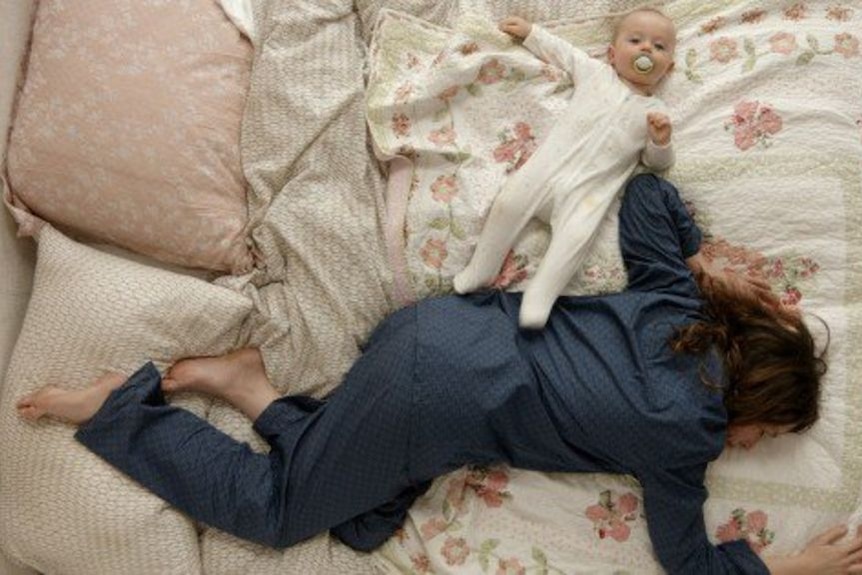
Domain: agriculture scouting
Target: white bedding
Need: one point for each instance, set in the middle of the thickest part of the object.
(782, 201)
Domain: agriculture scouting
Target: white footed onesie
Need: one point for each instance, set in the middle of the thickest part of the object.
(571, 179)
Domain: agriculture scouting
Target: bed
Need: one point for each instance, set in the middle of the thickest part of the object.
(285, 174)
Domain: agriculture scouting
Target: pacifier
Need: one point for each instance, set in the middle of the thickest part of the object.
(642, 64)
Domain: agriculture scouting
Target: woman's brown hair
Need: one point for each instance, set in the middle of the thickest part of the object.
(771, 361)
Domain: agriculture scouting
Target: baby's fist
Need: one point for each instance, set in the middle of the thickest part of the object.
(516, 26)
(659, 128)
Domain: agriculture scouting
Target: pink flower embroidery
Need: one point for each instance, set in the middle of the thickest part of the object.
(838, 13)
(455, 551)
(791, 297)
(753, 16)
(402, 94)
(510, 567)
(753, 123)
(443, 137)
(400, 124)
(796, 12)
(513, 272)
(490, 485)
(468, 48)
(517, 145)
(448, 93)
(491, 72)
(613, 515)
(782, 43)
(551, 73)
(713, 25)
(785, 275)
(444, 189)
(749, 526)
(421, 562)
(723, 50)
(434, 253)
(432, 528)
(847, 45)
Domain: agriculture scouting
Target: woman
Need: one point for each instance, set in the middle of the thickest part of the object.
(452, 381)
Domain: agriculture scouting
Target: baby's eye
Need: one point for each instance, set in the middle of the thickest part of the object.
(660, 46)
(634, 40)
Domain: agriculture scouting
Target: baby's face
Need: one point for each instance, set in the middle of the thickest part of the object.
(643, 34)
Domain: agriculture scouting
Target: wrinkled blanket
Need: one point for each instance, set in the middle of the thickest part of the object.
(766, 111)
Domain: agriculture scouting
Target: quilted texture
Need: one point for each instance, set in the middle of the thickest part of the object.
(64, 510)
(127, 129)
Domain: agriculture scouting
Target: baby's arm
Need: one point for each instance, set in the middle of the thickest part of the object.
(658, 154)
(550, 48)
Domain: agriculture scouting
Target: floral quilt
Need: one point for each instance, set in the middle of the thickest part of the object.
(768, 133)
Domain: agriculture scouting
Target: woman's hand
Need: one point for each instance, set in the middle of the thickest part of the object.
(516, 26)
(743, 285)
(659, 128)
(824, 555)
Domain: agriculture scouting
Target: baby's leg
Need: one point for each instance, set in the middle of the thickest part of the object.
(512, 209)
(570, 240)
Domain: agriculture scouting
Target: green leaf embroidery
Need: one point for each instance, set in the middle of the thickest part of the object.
(690, 63)
(458, 232)
(814, 43)
(605, 498)
(439, 223)
(751, 50)
(805, 58)
(485, 551)
(540, 557)
(473, 89)
(457, 157)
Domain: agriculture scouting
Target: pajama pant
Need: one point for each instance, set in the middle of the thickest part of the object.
(325, 469)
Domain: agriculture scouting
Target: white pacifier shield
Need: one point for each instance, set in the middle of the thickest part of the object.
(642, 64)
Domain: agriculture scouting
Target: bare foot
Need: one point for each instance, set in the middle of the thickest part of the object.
(74, 406)
(238, 377)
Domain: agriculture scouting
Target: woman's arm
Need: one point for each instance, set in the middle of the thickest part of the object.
(673, 501)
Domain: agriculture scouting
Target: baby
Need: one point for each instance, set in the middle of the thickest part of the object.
(612, 121)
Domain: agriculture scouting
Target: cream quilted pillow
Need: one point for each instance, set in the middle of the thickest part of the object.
(127, 128)
(63, 509)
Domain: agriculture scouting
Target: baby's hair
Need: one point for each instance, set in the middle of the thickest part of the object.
(617, 24)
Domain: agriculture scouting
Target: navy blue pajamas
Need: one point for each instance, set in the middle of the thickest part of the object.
(451, 381)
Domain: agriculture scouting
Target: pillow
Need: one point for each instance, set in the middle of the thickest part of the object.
(65, 510)
(127, 129)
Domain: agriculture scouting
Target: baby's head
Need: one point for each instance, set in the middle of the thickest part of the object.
(642, 48)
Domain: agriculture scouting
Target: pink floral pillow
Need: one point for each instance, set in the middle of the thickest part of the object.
(127, 129)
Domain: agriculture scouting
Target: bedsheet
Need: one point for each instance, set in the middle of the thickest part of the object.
(769, 139)
(317, 197)
(767, 117)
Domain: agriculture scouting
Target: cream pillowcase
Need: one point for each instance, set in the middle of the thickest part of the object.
(63, 509)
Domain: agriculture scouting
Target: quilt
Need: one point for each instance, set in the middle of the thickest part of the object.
(768, 133)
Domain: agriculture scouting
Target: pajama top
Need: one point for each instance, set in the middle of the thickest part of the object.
(454, 381)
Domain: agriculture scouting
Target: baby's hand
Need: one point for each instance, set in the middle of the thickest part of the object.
(659, 128)
(516, 26)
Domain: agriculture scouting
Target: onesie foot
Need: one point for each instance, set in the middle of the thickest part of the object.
(464, 282)
(533, 315)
